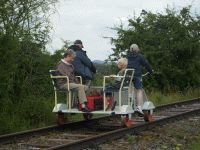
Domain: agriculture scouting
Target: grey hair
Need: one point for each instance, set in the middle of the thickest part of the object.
(134, 48)
(69, 52)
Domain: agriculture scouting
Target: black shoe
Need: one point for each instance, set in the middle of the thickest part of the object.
(113, 106)
(85, 109)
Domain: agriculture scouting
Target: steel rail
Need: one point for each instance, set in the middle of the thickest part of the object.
(8, 138)
(112, 135)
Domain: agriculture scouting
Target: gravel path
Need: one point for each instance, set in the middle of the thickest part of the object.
(174, 136)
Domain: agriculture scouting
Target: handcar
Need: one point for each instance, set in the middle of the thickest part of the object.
(119, 101)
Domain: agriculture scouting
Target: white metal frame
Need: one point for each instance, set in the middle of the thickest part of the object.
(68, 92)
(121, 87)
(119, 109)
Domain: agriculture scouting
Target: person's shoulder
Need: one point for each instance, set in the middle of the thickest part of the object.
(71, 47)
(132, 55)
(140, 55)
(60, 63)
(129, 54)
(74, 47)
(81, 52)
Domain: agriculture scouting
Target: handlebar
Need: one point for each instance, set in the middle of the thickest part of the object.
(143, 75)
(116, 76)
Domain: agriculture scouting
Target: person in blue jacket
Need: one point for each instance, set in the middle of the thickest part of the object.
(83, 66)
(137, 61)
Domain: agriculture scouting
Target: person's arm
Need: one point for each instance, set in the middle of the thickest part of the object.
(87, 62)
(64, 72)
(146, 64)
(84, 59)
(93, 68)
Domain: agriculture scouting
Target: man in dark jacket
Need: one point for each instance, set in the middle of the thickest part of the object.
(83, 66)
(137, 61)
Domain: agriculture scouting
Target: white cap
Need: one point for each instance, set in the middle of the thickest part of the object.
(134, 48)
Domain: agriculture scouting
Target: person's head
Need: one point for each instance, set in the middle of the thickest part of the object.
(69, 55)
(134, 48)
(122, 63)
(78, 43)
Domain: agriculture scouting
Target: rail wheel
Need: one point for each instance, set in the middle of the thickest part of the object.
(148, 116)
(87, 116)
(61, 118)
(127, 122)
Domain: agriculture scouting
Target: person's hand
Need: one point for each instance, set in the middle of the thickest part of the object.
(112, 76)
(153, 71)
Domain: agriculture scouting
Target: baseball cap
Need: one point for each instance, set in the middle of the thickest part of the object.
(78, 42)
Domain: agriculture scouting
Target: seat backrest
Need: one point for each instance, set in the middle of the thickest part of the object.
(54, 80)
(128, 77)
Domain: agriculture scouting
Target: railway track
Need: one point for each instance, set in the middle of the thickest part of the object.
(84, 134)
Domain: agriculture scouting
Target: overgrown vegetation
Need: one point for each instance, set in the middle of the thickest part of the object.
(25, 96)
(170, 41)
(195, 145)
(159, 98)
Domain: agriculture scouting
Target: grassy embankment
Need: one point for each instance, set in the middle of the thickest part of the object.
(159, 98)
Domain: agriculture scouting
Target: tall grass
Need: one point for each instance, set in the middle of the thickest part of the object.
(159, 98)
(30, 112)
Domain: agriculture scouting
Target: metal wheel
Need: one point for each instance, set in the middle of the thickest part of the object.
(87, 116)
(127, 122)
(61, 118)
(148, 116)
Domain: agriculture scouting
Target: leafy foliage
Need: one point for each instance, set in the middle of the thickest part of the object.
(24, 63)
(102, 70)
(171, 43)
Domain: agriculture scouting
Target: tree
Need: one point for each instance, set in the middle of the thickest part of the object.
(24, 32)
(170, 41)
(24, 63)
